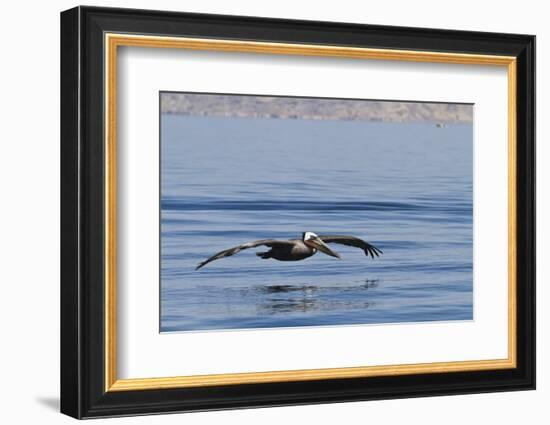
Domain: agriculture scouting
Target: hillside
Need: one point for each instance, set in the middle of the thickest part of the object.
(313, 108)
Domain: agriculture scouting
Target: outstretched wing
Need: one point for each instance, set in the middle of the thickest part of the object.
(352, 241)
(234, 250)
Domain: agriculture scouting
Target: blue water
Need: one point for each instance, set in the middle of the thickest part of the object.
(404, 187)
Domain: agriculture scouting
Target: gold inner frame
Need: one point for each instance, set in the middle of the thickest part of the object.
(113, 41)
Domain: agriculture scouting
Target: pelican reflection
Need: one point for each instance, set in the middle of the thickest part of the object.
(309, 298)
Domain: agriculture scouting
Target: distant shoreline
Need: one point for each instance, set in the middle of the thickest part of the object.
(246, 106)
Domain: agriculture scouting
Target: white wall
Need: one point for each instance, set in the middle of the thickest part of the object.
(29, 225)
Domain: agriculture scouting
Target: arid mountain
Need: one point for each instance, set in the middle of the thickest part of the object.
(313, 108)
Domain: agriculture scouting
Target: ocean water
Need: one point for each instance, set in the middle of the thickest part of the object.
(404, 187)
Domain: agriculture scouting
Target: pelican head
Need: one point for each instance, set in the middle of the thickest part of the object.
(313, 241)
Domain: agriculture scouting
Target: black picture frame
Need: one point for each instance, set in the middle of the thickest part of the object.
(83, 392)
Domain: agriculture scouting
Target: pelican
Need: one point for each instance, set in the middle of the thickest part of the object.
(297, 249)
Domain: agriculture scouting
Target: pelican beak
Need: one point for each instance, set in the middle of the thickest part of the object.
(321, 246)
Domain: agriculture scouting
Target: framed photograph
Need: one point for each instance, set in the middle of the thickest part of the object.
(261, 212)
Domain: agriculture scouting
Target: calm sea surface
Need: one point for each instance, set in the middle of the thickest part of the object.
(405, 187)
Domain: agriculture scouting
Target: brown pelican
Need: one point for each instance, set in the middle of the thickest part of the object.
(298, 249)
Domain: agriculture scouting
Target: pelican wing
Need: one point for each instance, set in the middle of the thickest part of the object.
(352, 241)
(232, 251)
